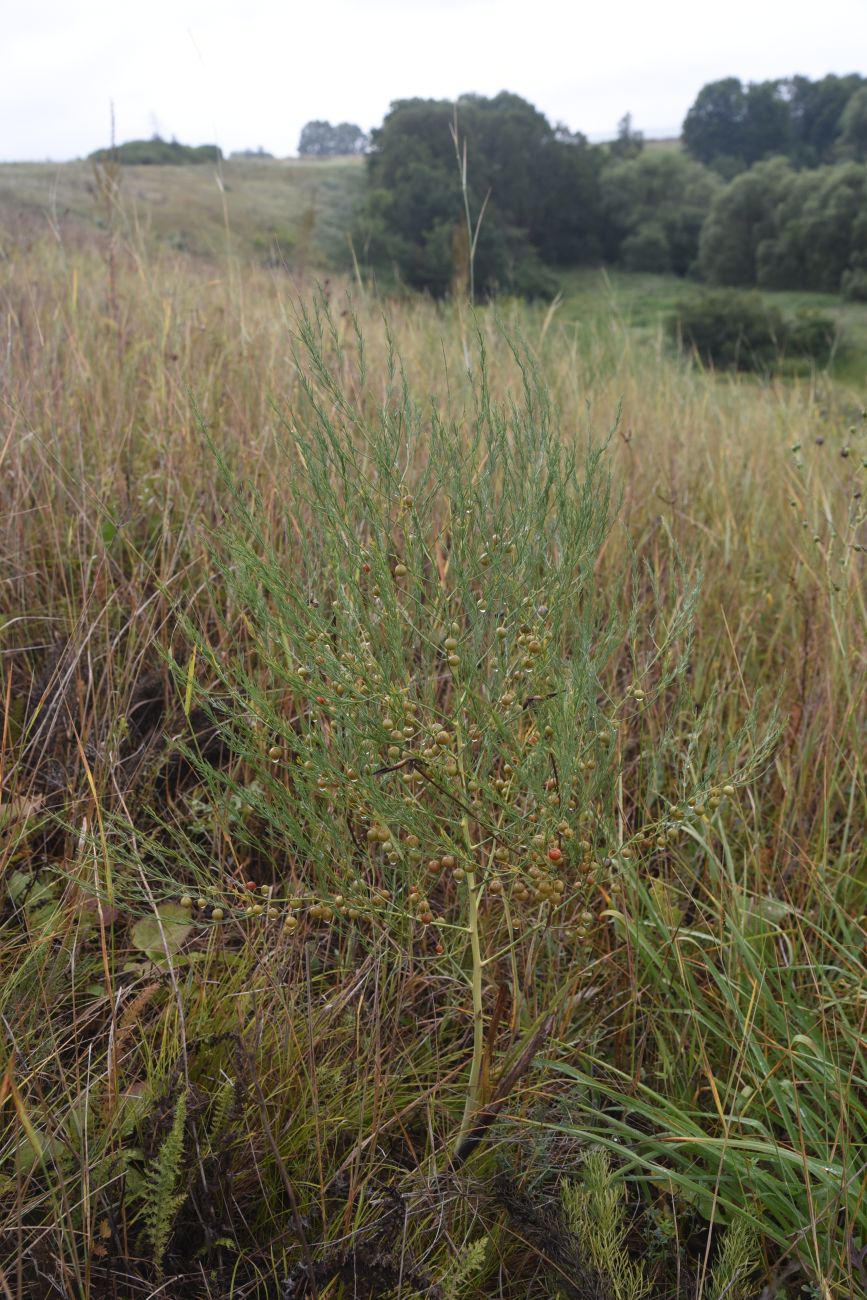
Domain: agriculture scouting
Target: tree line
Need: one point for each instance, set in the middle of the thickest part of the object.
(768, 190)
(732, 126)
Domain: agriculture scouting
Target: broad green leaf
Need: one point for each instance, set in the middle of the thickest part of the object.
(171, 921)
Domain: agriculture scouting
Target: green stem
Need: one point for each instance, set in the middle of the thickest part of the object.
(472, 1099)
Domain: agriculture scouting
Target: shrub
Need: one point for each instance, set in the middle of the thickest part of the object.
(738, 331)
(730, 330)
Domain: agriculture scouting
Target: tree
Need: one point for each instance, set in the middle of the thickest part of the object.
(629, 143)
(322, 140)
(741, 218)
(852, 135)
(647, 249)
(654, 207)
(833, 222)
(349, 139)
(767, 126)
(781, 229)
(815, 108)
(538, 188)
(713, 127)
(569, 219)
(730, 128)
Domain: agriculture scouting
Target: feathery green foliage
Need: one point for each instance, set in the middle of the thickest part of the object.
(459, 1280)
(595, 1211)
(736, 1264)
(161, 1198)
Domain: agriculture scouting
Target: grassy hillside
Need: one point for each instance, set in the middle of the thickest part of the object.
(298, 209)
(433, 794)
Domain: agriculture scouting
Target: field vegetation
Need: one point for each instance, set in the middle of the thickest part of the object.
(432, 849)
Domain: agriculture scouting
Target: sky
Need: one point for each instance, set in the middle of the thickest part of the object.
(251, 74)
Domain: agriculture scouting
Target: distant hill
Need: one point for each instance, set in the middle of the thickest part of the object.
(157, 152)
(297, 211)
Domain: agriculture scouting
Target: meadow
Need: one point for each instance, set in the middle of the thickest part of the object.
(432, 854)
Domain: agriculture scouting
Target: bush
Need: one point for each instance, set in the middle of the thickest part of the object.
(738, 331)
(414, 719)
(531, 279)
(730, 330)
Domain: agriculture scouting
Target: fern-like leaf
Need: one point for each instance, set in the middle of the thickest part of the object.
(736, 1263)
(464, 1269)
(594, 1211)
(162, 1200)
(221, 1110)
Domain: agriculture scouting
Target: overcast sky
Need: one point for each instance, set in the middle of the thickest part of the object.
(252, 73)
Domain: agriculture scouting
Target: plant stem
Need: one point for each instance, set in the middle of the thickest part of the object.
(472, 1099)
